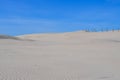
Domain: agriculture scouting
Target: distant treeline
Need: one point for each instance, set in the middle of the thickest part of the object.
(101, 29)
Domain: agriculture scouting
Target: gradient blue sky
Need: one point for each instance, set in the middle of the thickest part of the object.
(19, 17)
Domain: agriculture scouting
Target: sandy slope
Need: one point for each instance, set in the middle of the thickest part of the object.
(66, 56)
(8, 37)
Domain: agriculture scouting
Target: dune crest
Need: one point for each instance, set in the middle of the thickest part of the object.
(8, 37)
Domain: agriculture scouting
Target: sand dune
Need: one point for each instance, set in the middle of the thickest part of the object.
(64, 56)
(14, 38)
(8, 37)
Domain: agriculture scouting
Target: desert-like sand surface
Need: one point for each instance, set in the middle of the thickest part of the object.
(63, 56)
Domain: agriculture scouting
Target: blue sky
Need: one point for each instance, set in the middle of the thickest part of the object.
(19, 17)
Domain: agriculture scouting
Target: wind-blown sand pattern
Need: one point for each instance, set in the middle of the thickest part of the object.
(65, 56)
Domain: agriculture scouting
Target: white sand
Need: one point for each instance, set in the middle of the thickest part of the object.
(66, 56)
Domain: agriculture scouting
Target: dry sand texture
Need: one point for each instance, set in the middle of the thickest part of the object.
(65, 56)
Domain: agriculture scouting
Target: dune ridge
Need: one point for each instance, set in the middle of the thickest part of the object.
(8, 37)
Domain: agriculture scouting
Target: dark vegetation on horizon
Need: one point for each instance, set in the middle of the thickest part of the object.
(105, 29)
